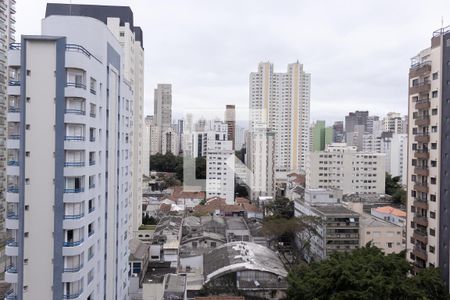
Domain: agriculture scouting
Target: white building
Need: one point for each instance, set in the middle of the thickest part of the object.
(220, 160)
(170, 141)
(343, 167)
(394, 122)
(146, 145)
(261, 163)
(163, 111)
(76, 127)
(281, 101)
(155, 135)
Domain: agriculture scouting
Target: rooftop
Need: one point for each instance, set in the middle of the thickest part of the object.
(367, 220)
(239, 256)
(391, 210)
(138, 249)
(174, 287)
(236, 223)
(335, 210)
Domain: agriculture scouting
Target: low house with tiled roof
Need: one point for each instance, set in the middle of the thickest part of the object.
(187, 198)
(218, 207)
(390, 214)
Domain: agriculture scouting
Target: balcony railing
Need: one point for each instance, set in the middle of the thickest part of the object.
(92, 114)
(92, 185)
(15, 46)
(11, 269)
(91, 233)
(14, 163)
(12, 189)
(75, 111)
(13, 109)
(419, 65)
(74, 164)
(92, 139)
(73, 295)
(12, 215)
(74, 217)
(73, 269)
(73, 138)
(10, 295)
(14, 136)
(77, 85)
(12, 243)
(92, 162)
(14, 82)
(81, 49)
(93, 91)
(91, 209)
(73, 244)
(73, 191)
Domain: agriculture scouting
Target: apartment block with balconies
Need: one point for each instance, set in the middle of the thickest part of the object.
(65, 168)
(428, 162)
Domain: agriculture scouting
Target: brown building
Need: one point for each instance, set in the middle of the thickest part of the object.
(230, 119)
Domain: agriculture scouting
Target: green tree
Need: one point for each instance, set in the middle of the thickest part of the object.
(392, 184)
(365, 273)
(281, 207)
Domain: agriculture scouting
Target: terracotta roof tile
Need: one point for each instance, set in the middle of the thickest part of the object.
(391, 210)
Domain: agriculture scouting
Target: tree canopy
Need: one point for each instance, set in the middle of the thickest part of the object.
(365, 273)
(394, 188)
(281, 207)
(174, 164)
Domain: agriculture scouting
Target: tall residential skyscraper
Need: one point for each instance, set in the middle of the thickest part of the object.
(338, 132)
(7, 30)
(230, 119)
(163, 110)
(356, 118)
(393, 122)
(76, 127)
(281, 103)
(120, 22)
(321, 136)
(428, 221)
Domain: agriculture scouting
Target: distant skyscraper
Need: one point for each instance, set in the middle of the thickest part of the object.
(394, 122)
(163, 110)
(356, 118)
(230, 119)
(321, 136)
(77, 128)
(428, 206)
(338, 132)
(281, 103)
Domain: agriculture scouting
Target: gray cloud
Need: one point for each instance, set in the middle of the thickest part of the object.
(357, 51)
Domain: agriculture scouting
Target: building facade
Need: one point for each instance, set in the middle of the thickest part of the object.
(281, 102)
(85, 145)
(162, 111)
(343, 167)
(338, 132)
(230, 119)
(428, 235)
(320, 136)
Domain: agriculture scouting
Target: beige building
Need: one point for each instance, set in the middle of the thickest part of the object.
(343, 167)
(384, 235)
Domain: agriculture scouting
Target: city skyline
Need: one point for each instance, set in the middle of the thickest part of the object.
(327, 45)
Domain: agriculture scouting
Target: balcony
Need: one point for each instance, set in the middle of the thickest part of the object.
(420, 236)
(13, 189)
(92, 162)
(421, 87)
(422, 171)
(12, 215)
(77, 85)
(73, 295)
(14, 136)
(13, 163)
(423, 104)
(75, 111)
(14, 82)
(73, 269)
(11, 248)
(420, 69)
(419, 252)
(74, 216)
(13, 109)
(422, 137)
(422, 153)
(74, 138)
(73, 244)
(11, 274)
(420, 203)
(421, 220)
(74, 164)
(422, 120)
(421, 187)
(74, 191)
(91, 209)
(92, 139)
(10, 295)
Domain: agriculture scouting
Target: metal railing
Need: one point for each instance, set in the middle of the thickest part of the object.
(81, 49)
(73, 191)
(74, 217)
(73, 269)
(74, 164)
(15, 46)
(75, 111)
(421, 64)
(73, 138)
(12, 189)
(73, 244)
(14, 163)
(73, 295)
(13, 109)
(13, 82)
(76, 85)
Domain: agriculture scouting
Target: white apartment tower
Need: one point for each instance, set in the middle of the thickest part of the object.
(393, 122)
(428, 219)
(7, 30)
(343, 167)
(281, 101)
(163, 111)
(146, 145)
(261, 164)
(73, 114)
(220, 164)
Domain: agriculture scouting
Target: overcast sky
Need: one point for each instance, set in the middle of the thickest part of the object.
(358, 51)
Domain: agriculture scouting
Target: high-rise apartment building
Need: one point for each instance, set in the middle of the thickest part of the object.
(146, 142)
(356, 118)
(343, 167)
(281, 103)
(338, 132)
(261, 164)
(230, 119)
(120, 22)
(393, 122)
(320, 136)
(7, 30)
(163, 110)
(80, 128)
(428, 220)
(220, 164)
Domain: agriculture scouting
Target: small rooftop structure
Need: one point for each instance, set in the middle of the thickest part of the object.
(174, 287)
(138, 249)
